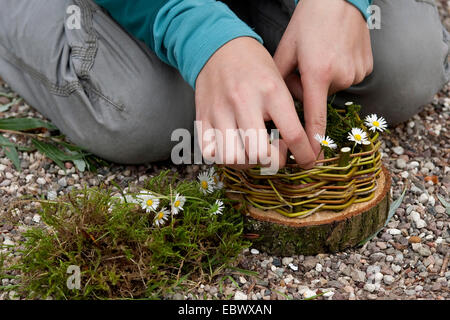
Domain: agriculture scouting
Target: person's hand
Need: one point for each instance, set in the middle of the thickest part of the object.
(240, 87)
(328, 41)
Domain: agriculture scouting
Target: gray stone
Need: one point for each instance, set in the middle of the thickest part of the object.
(398, 150)
(423, 250)
(388, 279)
(310, 262)
(358, 276)
(400, 163)
(369, 287)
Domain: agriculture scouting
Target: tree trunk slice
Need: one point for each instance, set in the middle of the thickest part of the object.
(323, 231)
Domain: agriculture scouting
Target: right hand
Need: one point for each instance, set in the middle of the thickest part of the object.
(240, 87)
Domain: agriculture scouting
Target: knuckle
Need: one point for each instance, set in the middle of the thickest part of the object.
(294, 138)
(270, 87)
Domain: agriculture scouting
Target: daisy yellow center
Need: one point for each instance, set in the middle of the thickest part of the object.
(204, 185)
(325, 142)
(358, 137)
(176, 204)
(376, 123)
(149, 202)
(160, 215)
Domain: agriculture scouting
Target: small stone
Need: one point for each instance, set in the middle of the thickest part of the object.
(293, 267)
(328, 294)
(388, 279)
(439, 209)
(423, 250)
(378, 277)
(239, 295)
(377, 256)
(358, 276)
(254, 251)
(309, 293)
(287, 260)
(418, 288)
(423, 198)
(36, 218)
(414, 239)
(178, 296)
(394, 232)
(396, 268)
(369, 287)
(62, 182)
(404, 174)
(68, 165)
(319, 267)
(310, 262)
(41, 181)
(381, 245)
(398, 150)
(420, 223)
(413, 164)
(13, 295)
(52, 195)
(8, 242)
(400, 163)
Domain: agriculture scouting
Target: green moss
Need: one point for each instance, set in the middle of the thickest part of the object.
(119, 250)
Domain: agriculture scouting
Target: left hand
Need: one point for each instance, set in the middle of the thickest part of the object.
(328, 41)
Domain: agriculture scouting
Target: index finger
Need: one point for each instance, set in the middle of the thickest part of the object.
(315, 95)
(285, 117)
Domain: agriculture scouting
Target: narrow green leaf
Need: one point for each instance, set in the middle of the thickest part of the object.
(23, 124)
(444, 203)
(11, 152)
(394, 206)
(49, 151)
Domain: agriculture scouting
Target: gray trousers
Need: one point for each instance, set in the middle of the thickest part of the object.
(108, 93)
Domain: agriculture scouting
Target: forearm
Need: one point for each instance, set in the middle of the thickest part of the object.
(182, 33)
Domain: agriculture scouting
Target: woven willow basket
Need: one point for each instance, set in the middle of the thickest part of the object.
(332, 184)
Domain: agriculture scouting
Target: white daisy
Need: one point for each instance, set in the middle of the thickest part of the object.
(178, 203)
(357, 135)
(218, 185)
(148, 201)
(161, 217)
(375, 123)
(217, 207)
(325, 141)
(206, 183)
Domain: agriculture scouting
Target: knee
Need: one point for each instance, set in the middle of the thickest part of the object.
(140, 131)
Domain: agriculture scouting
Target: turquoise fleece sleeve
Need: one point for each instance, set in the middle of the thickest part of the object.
(182, 33)
(362, 5)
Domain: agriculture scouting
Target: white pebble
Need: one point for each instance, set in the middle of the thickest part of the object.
(254, 251)
(318, 267)
(36, 218)
(423, 198)
(239, 295)
(41, 181)
(293, 267)
(309, 293)
(394, 232)
(396, 268)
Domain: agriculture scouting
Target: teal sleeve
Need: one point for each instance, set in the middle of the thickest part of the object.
(362, 5)
(182, 33)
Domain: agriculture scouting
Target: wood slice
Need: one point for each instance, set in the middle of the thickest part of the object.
(324, 231)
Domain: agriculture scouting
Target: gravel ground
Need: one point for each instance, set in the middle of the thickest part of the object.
(407, 260)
